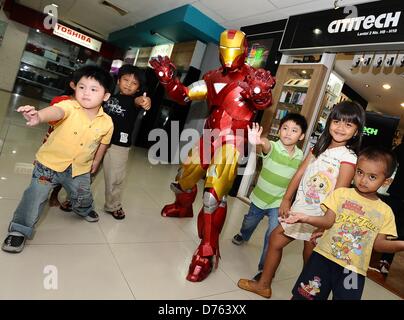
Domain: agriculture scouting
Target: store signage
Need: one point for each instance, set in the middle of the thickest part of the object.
(370, 131)
(385, 20)
(77, 37)
(371, 26)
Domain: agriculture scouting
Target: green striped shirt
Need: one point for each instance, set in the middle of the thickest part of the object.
(277, 170)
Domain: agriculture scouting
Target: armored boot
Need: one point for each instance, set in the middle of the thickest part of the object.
(209, 227)
(182, 207)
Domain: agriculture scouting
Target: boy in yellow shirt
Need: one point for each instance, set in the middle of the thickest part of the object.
(72, 152)
(357, 222)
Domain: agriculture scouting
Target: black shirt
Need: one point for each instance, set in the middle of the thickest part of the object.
(397, 186)
(123, 111)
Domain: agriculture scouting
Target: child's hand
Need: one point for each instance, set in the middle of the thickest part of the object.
(143, 101)
(315, 235)
(294, 217)
(94, 167)
(30, 114)
(284, 208)
(254, 134)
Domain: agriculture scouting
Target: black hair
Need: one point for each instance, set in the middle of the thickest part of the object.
(296, 118)
(136, 72)
(346, 111)
(92, 71)
(382, 154)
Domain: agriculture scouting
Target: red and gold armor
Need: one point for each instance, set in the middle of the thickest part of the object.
(233, 92)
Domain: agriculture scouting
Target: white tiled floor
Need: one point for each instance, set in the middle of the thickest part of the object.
(143, 256)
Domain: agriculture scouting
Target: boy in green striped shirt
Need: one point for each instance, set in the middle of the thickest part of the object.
(281, 160)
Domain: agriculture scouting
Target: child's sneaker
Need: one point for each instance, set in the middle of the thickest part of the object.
(14, 242)
(92, 216)
(384, 267)
(237, 239)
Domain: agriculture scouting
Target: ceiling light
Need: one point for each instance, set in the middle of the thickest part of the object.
(402, 104)
(317, 31)
(378, 96)
(386, 86)
(14, 152)
(367, 85)
(304, 71)
(336, 5)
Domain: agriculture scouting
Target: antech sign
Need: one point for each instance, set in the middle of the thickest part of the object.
(377, 25)
(383, 21)
(77, 37)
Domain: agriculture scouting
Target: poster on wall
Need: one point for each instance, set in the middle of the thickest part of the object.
(3, 26)
(390, 59)
(258, 52)
(358, 58)
(378, 60)
(400, 60)
(367, 59)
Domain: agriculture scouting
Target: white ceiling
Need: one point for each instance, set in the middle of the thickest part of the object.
(379, 99)
(228, 13)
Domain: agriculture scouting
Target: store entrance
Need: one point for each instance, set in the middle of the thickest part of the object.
(378, 87)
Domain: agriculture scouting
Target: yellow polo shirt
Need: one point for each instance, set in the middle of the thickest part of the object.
(75, 139)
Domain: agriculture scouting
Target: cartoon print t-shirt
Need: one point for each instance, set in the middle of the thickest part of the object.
(317, 183)
(358, 221)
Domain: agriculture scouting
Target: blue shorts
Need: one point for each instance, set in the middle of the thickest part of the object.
(320, 276)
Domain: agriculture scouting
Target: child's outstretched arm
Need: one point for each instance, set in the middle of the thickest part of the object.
(292, 187)
(35, 117)
(381, 244)
(324, 222)
(255, 138)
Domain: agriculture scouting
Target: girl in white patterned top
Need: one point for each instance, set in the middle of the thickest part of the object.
(330, 165)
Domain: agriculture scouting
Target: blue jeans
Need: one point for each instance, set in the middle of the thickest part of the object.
(250, 222)
(35, 196)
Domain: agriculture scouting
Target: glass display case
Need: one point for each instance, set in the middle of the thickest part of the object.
(47, 64)
(292, 97)
(331, 97)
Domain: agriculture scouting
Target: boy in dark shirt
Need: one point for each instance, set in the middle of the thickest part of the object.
(123, 109)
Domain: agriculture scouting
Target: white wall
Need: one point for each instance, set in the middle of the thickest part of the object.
(11, 51)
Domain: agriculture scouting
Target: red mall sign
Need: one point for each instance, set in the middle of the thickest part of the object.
(77, 37)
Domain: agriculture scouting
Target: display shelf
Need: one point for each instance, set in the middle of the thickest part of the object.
(296, 91)
(53, 61)
(40, 84)
(44, 69)
(331, 98)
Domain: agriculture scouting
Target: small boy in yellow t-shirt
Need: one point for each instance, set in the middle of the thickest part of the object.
(357, 222)
(72, 152)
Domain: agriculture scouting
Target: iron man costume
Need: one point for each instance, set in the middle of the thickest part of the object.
(234, 92)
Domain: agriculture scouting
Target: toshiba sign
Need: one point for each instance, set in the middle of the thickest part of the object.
(383, 21)
(77, 37)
